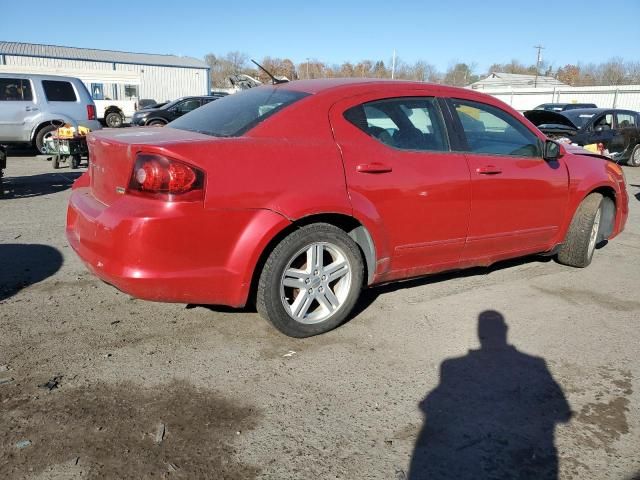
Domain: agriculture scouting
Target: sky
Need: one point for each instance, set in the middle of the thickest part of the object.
(442, 33)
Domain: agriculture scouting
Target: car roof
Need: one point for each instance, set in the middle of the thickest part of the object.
(38, 76)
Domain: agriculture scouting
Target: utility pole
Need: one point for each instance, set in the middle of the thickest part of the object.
(538, 60)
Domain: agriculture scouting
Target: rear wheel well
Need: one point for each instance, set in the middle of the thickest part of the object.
(57, 123)
(348, 224)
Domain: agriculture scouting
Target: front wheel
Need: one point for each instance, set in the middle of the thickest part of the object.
(634, 159)
(311, 281)
(114, 120)
(580, 242)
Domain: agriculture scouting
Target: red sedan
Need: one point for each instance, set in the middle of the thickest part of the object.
(296, 196)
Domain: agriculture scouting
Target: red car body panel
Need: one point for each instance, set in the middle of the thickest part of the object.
(432, 211)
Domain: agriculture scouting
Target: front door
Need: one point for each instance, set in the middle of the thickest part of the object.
(400, 170)
(518, 199)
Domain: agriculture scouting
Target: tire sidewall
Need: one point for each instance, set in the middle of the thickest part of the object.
(111, 116)
(39, 141)
(634, 159)
(269, 302)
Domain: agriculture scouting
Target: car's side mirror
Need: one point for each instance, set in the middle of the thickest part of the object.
(551, 151)
(602, 128)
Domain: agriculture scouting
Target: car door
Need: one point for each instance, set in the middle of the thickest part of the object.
(518, 199)
(625, 133)
(16, 109)
(400, 171)
(599, 130)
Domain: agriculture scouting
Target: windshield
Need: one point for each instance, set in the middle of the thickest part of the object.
(579, 119)
(236, 114)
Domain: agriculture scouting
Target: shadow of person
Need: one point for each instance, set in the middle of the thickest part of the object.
(492, 416)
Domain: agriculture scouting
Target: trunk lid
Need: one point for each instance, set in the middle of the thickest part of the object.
(113, 153)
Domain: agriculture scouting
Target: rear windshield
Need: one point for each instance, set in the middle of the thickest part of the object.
(236, 114)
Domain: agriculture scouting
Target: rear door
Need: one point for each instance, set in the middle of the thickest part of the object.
(518, 199)
(626, 133)
(16, 109)
(400, 170)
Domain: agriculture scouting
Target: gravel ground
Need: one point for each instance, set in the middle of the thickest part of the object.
(96, 384)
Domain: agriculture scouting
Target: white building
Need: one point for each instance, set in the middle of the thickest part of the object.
(514, 80)
(111, 74)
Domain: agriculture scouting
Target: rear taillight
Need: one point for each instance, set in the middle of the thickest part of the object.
(162, 177)
(91, 112)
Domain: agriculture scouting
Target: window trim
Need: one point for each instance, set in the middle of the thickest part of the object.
(446, 137)
(458, 127)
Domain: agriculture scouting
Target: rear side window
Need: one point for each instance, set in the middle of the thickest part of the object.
(15, 90)
(489, 130)
(58, 91)
(625, 120)
(403, 123)
(236, 114)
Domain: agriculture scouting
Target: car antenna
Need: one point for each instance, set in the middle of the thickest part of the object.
(275, 80)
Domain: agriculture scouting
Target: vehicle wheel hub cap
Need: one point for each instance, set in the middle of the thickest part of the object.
(315, 282)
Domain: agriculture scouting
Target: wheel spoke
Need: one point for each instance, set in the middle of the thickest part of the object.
(337, 269)
(301, 304)
(328, 299)
(294, 278)
(314, 257)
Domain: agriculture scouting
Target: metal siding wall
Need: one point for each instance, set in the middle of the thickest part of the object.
(168, 83)
(623, 96)
(159, 83)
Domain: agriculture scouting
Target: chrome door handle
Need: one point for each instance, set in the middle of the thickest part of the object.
(31, 109)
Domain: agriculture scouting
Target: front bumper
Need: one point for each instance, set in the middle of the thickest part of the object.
(169, 252)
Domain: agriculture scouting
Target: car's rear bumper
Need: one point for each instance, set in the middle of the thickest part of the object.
(178, 252)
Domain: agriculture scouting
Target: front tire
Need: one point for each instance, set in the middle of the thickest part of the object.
(584, 231)
(311, 281)
(114, 120)
(634, 159)
(156, 123)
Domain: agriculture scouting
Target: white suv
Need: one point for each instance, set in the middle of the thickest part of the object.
(32, 107)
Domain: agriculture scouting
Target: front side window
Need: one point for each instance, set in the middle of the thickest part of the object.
(625, 120)
(491, 131)
(15, 90)
(403, 123)
(58, 91)
(605, 122)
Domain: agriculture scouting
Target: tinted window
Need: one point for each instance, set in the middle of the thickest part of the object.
(236, 114)
(579, 118)
(15, 89)
(404, 123)
(625, 120)
(57, 91)
(492, 131)
(188, 105)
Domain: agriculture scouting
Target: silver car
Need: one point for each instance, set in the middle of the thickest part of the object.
(33, 106)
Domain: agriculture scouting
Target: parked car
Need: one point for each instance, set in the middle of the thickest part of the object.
(154, 105)
(169, 111)
(114, 113)
(617, 130)
(32, 107)
(298, 195)
(561, 107)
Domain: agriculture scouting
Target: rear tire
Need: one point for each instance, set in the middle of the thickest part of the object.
(634, 159)
(311, 281)
(43, 133)
(55, 162)
(583, 234)
(75, 161)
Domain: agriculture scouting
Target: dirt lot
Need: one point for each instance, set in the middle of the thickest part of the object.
(95, 384)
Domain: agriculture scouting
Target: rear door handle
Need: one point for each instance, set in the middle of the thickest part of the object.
(489, 170)
(31, 109)
(373, 167)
